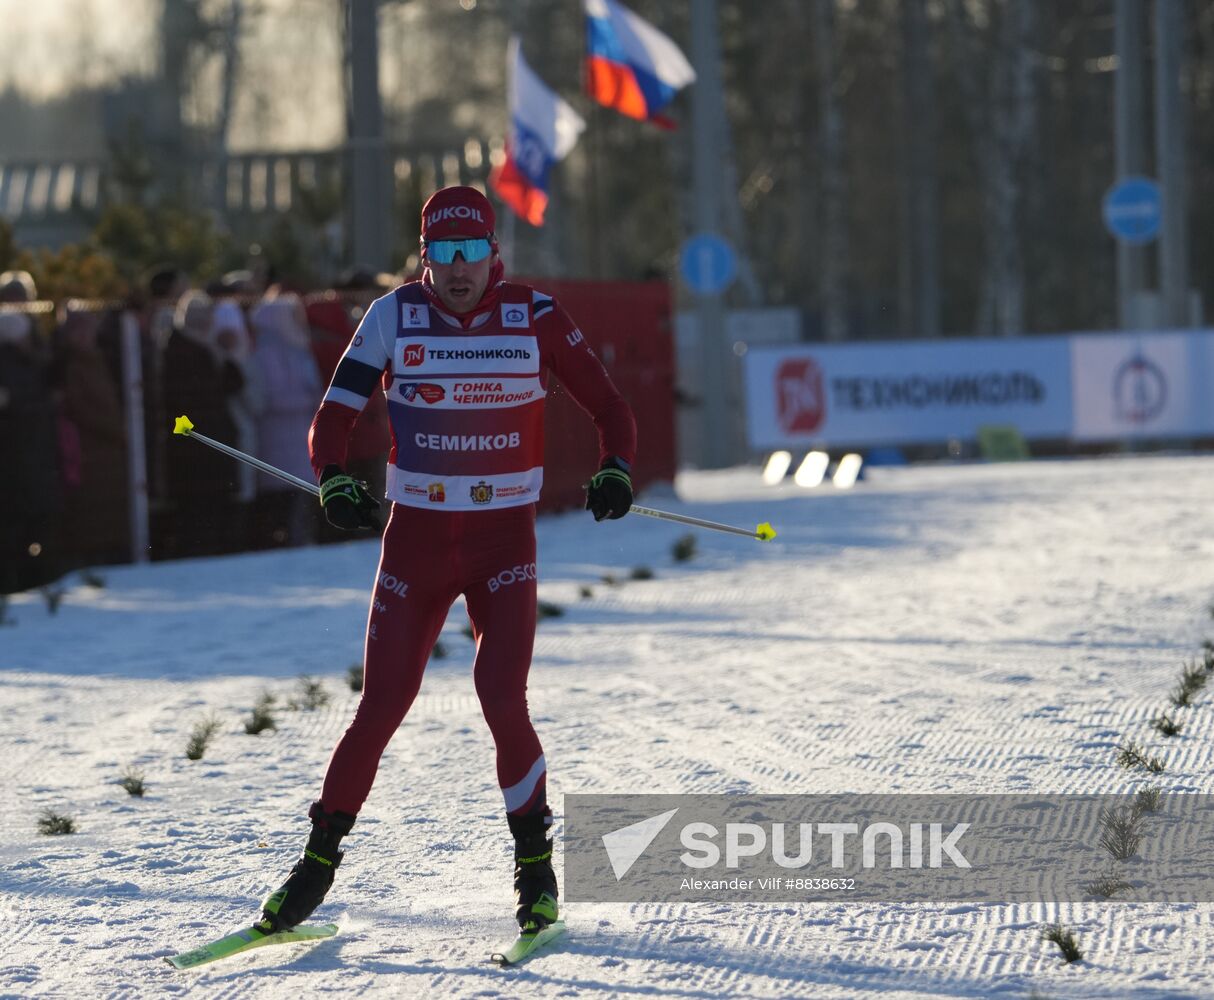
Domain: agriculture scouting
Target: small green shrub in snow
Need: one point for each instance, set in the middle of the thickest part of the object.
(1131, 755)
(1192, 680)
(1064, 937)
(684, 548)
(1120, 833)
(1107, 885)
(200, 736)
(53, 824)
(1165, 725)
(262, 717)
(546, 609)
(1147, 799)
(312, 695)
(132, 782)
(53, 597)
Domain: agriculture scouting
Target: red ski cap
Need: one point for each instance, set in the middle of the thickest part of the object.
(457, 212)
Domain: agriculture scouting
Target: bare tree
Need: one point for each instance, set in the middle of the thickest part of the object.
(1001, 113)
(834, 267)
(229, 73)
(919, 267)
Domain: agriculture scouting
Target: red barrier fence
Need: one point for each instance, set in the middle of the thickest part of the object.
(629, 325)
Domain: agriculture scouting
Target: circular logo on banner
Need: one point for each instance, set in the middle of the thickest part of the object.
(1140, 390)
(800, 400)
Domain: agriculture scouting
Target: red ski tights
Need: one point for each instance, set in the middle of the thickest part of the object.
(429, 557)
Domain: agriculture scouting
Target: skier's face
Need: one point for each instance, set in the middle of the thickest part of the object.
(459, 284)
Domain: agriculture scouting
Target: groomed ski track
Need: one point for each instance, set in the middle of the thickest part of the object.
(940, 628)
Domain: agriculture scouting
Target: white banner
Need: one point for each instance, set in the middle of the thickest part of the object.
(907, 392)
(1141, 385)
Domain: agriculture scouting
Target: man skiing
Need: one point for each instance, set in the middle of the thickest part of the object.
(460, 356)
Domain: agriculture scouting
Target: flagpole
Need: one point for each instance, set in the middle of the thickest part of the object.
(596, 218)
(707, 111)
(509, 258)
(506, 239)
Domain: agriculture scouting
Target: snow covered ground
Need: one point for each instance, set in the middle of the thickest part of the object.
(962, 629)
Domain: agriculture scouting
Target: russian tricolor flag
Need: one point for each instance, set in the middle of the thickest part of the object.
(630, 65)
(543, 129)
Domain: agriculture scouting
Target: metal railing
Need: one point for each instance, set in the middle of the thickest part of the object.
(243, 184)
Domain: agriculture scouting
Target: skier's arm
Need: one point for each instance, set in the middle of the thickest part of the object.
(357, 376)
(570, 357)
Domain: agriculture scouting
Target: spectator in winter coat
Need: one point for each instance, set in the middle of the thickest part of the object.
(332, 321)
(290, 384)
(233, 345)
(17, 287)
(201, 483)
(96, 521)
(29, 456)
(163, 286)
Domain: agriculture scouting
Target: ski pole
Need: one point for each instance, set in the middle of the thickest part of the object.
(185, 427)
(763, 532)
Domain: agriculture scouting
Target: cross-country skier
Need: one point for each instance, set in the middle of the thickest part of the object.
(461, 356)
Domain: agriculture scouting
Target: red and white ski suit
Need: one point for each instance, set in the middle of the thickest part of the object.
(465, 397)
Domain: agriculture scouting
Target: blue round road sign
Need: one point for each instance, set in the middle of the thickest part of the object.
(1133, 209)
(708, 264)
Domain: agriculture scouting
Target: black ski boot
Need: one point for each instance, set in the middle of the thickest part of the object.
(310, 879)
(535, 890)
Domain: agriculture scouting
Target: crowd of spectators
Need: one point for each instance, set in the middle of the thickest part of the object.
(247, 363)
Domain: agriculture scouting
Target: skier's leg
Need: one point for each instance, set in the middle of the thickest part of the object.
(502, 612)
(408, 608)
(502, 607)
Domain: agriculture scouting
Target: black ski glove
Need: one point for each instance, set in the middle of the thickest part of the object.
(347, 503)
(609, 494)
